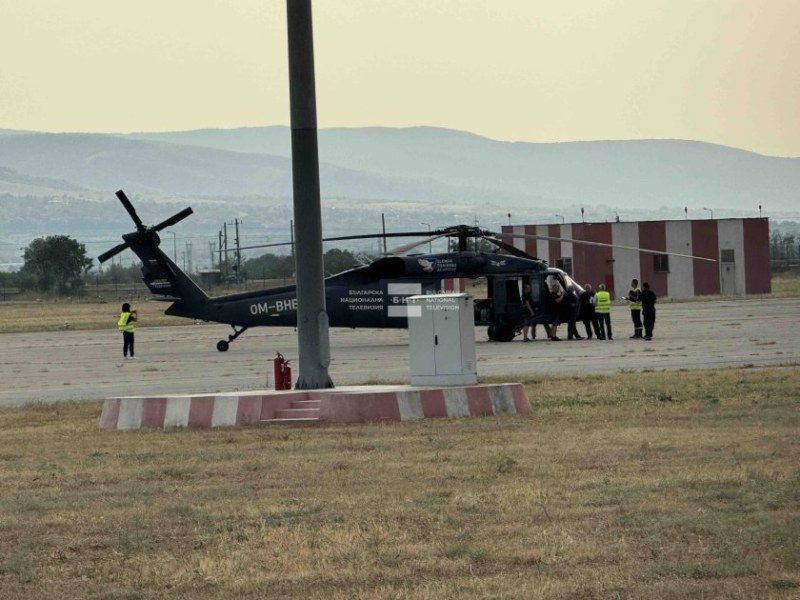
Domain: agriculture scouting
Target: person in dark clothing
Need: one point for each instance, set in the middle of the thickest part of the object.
(555, 304)
(586, 314)
(528, 314)
(635, 304)
(648, 299)
(569, 308)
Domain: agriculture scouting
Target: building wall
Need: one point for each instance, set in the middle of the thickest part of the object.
(520, 243)
(593, 264)
(756, 256)
(626, 262)
(652, 236)
(705, 243)
(730, 236)
(680, 279)
(615, 267)
(566, 249)
(553, 246)
(542, 245)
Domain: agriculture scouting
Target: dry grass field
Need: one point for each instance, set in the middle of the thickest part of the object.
(786, 284)
(639, 485)
(52, 315)
(29, 312)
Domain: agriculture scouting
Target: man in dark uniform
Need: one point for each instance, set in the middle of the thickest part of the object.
(528, 314)
(635, 304)
(648, 298)
(586, 314)
(569, 308)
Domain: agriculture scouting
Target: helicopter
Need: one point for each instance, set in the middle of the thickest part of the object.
(373, 295)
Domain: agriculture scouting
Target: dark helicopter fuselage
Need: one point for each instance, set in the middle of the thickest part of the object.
(375, 295)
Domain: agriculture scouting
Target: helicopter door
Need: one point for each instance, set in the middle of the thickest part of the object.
(483, 301)
(514, 300)
(536, 294)
(506, 306)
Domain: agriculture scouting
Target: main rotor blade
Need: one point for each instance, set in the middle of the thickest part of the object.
(513, 250)
(348, 237)
(272, 245)
(601, 244)
(131, 211)
(366, 236)
(411, 246)
(113, 252)
(173, 219)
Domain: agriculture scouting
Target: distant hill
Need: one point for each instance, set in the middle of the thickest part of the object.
(172, 168)
(415, 164)
(624, 174)
(65, 183)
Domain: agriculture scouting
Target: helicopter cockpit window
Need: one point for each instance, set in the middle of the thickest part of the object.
(569, 282)
(557, 278)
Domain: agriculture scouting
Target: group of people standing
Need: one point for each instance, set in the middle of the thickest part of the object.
(642, 303)
(593, 309)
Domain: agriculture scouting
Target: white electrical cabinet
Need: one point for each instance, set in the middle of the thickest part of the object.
(441, 336)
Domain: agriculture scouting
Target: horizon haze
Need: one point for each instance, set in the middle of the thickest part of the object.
(715, 71)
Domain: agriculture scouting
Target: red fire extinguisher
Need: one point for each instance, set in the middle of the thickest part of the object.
(282, 372)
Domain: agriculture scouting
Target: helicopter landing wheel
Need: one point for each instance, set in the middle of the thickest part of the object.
(501, 333)
(223, 345)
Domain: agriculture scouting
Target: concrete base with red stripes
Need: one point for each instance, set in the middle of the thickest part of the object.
(355, 404)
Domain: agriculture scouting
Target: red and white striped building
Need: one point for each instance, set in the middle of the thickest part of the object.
(739, 246)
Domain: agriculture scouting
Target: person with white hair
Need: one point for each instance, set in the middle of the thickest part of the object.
(557, 298)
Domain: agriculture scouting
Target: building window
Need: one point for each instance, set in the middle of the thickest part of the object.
(565, 264)
(727, 256)
(661, 263)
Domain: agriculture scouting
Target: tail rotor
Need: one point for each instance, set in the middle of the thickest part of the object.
(142, 233)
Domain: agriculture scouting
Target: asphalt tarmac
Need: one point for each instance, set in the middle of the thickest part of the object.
(87, 365)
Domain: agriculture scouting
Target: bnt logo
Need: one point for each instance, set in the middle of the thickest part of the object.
(398, 292)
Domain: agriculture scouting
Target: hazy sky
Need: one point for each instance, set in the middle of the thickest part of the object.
(722, 71)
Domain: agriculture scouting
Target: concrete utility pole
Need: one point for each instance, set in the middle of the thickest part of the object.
(225, 237)
(238, 253)
(313, 343)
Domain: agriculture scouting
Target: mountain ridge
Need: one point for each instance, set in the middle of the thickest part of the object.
(413, 164)
(65, 182)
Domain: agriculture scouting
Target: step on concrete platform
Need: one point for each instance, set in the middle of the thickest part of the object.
(351, 404)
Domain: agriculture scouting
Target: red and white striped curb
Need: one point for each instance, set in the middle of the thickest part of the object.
(354, 404)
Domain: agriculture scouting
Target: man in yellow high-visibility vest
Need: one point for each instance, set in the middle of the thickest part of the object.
(127, 325)
(602, 310)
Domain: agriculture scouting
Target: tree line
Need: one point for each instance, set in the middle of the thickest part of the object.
(59, 264)
(783, 246)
